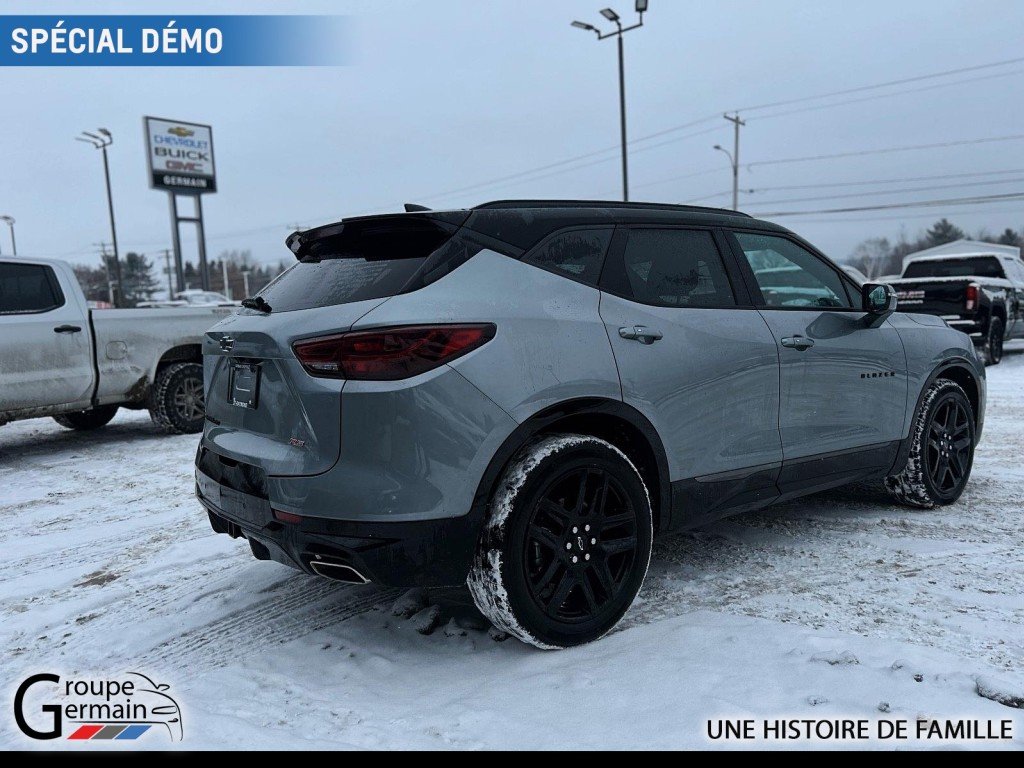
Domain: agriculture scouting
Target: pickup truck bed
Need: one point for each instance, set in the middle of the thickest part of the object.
(979, 294)
(60, 359)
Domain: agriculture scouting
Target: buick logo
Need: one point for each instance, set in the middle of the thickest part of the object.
(579, 542)
(226, 343)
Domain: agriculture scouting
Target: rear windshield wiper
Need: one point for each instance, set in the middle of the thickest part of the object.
(258, 303)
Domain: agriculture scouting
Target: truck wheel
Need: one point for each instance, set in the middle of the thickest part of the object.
(994, 343)
(91, 418)
(941, 449)
(176, 400)
(566, 544)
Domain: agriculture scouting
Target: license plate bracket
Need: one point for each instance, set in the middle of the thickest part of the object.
(244, 385)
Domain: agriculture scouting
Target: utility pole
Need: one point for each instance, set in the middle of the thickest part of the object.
(614, 18)
(106, 269)
(168, 271)
(734, 157)
(224, 270)
(736, 124)
(245, 281)
(9, 221)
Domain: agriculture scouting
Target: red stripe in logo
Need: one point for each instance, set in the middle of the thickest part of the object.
(86, 732)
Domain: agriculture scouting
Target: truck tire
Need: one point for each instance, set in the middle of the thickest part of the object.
(176, 400)
(566, 545)
(90, 418)
(994, 342)
(941, 449)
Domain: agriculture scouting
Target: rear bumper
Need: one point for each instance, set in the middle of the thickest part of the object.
(403, 554)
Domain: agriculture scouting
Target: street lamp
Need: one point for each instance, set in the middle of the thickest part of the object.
(613, 17)
(735, 176)
(101, 142)
(9, 221)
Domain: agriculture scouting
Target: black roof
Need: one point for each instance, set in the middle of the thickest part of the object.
(523, 223)
(590, 205)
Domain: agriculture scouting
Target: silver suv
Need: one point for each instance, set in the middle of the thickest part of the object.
(520, 395)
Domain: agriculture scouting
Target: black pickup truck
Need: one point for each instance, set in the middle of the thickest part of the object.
(980, 294)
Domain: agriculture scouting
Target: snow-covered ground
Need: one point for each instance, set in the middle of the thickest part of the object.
(840, 605)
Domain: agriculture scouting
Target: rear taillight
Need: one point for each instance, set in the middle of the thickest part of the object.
(972, 296)
(388, 354)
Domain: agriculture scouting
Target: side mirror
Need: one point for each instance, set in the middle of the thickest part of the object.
(879, 301)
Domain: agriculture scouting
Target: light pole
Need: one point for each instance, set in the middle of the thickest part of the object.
(101, 142)
(9, 221)
(734, 158)
(612, 16)
(245, 281)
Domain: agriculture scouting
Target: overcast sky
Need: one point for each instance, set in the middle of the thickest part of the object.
(447, 94)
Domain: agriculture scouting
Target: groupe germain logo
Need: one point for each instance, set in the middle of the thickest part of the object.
(181, 131)
(96, 709)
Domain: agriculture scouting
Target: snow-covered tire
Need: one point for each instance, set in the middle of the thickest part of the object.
(566, 544)
(91, 418)
(934, 445)
(176, 400)
(993, 350)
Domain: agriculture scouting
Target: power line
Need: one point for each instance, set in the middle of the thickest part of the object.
(711, 118)
(876, 192)
(876, 86)
(980, 200)
(862, 99)
(867, 183)
(887, 150)
(905, 179)
(901, 217)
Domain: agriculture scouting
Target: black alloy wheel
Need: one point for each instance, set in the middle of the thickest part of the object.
(950, 442)
(581, 545)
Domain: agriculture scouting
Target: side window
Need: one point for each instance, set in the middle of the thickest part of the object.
(577, 254)
(676, 268)
(26, 288)
(791, 276)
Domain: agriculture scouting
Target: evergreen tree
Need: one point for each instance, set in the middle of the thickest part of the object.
(942, 232)
(140, 282)
(1011, 237)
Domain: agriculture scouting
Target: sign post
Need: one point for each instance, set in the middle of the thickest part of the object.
(180, 161)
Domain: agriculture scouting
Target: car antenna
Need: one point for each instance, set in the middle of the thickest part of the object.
(413, 208)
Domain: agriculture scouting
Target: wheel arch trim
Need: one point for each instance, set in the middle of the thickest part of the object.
(549, 417)
(954, 363)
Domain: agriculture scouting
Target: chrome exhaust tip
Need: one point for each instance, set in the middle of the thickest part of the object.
(338, 572)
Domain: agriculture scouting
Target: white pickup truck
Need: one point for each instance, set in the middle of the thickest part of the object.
(59, 358)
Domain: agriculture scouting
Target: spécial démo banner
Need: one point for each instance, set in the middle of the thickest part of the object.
(223, 40)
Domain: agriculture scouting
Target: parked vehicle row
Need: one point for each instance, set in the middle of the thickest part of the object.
(981, 294)
(59, 358)
(519, 396)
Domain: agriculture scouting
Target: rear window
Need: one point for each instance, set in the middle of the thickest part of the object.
(370, 260)
(982, 266)
(27, 288)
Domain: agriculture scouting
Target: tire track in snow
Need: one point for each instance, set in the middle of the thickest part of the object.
(302, 606)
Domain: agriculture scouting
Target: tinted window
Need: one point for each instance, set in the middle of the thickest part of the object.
(676, 268)
(27, 288)
(369, 260)
(791, 276)
(578, 254)
(981, 266)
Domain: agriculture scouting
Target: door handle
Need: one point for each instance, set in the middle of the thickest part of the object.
(798, 342)
(67, 329)
(642, 334)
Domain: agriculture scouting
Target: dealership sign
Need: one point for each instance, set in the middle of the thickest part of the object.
(180, 156)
